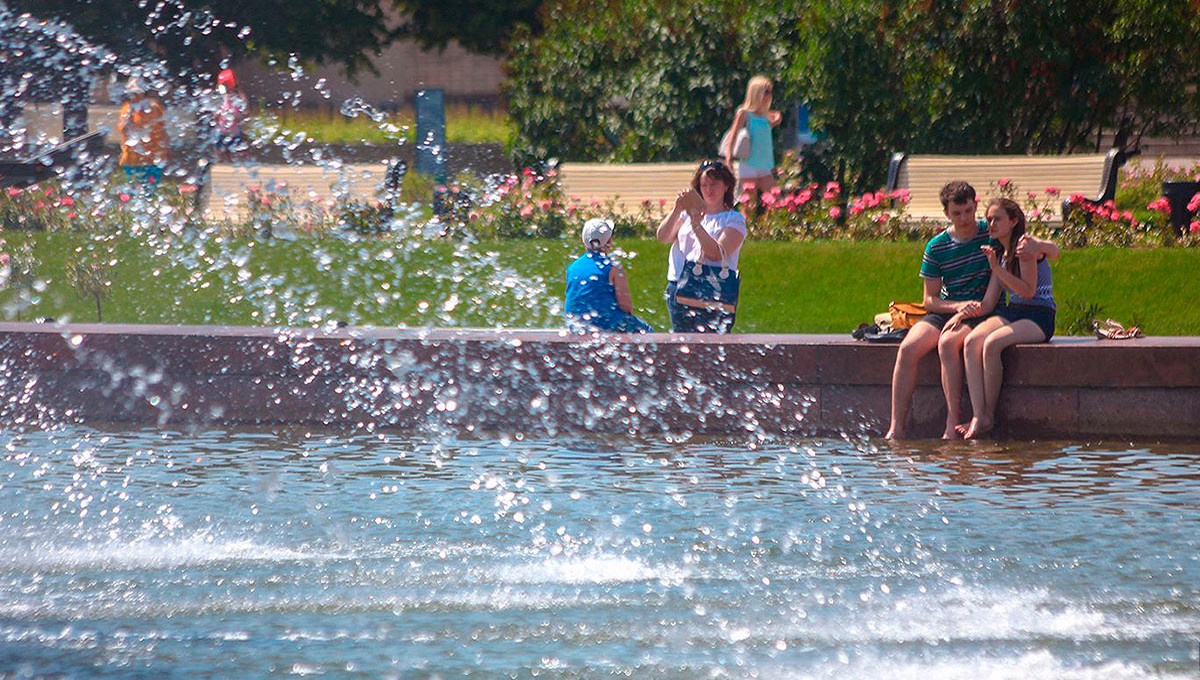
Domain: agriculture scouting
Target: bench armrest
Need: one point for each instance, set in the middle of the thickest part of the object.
(894, 166)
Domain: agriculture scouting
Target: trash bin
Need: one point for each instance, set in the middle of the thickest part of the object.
(1178, 195)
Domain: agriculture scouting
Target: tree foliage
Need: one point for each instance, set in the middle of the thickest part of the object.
(642, 81)
(195, 35)
(632, 80)
(482, 26)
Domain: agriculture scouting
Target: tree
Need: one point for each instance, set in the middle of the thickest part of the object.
(195, 35)
(643, 81)
(483, 26)
(995, 76)
(631, 80)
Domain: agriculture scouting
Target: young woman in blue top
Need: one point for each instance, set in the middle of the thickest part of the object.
(756, 115)
(597, 290)
(1028, 315)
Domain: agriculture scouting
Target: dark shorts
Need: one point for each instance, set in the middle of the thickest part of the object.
(938, 321)
(1042, 316)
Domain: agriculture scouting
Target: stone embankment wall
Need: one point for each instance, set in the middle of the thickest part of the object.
(547, 382)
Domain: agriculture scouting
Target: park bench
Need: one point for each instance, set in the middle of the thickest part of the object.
(627, 185)
(224, 193)
(64, 158)
(1092, 175)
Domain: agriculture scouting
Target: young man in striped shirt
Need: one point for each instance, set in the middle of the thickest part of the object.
(956, 274)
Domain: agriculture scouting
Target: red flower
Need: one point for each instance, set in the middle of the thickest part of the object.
(1194, 228)
(1160, 204)
(1052, 191)
(1003, 183)
(835, 212)
(1194, 204)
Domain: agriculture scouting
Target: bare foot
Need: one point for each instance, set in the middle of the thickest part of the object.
(978, 426)
(951, 432)
(961, 428)
(894, 433)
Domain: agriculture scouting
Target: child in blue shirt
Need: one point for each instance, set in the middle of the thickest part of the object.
(597, 290)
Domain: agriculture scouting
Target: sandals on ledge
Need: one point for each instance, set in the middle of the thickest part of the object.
(1111, 330)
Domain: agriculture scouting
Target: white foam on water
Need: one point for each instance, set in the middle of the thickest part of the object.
(953, 618)
(574, 570)
(1036, 665)
(152, 553)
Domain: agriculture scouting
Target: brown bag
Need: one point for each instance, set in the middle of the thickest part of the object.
(905, 314)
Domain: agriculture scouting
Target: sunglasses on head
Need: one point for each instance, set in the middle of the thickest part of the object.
(704, 165)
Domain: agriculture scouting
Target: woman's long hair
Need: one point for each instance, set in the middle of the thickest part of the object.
(756, 95)
(1013, 209)
(720, 172)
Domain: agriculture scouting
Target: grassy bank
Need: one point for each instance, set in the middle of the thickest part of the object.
(823, 287)
(464, 125)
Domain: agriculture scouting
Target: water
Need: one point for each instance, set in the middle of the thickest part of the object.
(253, 553)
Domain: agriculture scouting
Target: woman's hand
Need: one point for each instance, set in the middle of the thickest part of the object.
(955, 322)
(774, 117)
(688, 201)
(993, 261)
(970, 309)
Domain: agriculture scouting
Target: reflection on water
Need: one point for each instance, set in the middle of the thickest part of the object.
(256, 553)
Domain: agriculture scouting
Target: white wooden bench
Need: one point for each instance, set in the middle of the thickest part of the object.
(1092, 175)
(627, 185)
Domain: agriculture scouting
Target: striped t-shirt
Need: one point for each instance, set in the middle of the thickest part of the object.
(962, 266)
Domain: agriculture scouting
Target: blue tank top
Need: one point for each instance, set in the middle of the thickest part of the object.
(591, 298)
(1043, 295)
(762, 149)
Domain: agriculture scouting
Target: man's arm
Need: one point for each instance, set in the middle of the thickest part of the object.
(1032, 246)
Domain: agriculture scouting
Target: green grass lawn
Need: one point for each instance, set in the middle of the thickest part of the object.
(825, 287)
(464, 125)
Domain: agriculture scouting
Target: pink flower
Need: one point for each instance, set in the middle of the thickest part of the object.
(3, 259)
(67, 201)
(1052, 191)
(14, 192)
(1003, 183)
(1032, 195)
(804, 197)
(188, 188)
(835, 212)
(745, 197)
(527, 211)
(1194, 228)
(1194, 204)
(1160, 204)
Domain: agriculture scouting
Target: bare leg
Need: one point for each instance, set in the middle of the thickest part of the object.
(973, 363)
(921, 340)
(764, 184)
(950, 347)
(993, 369)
